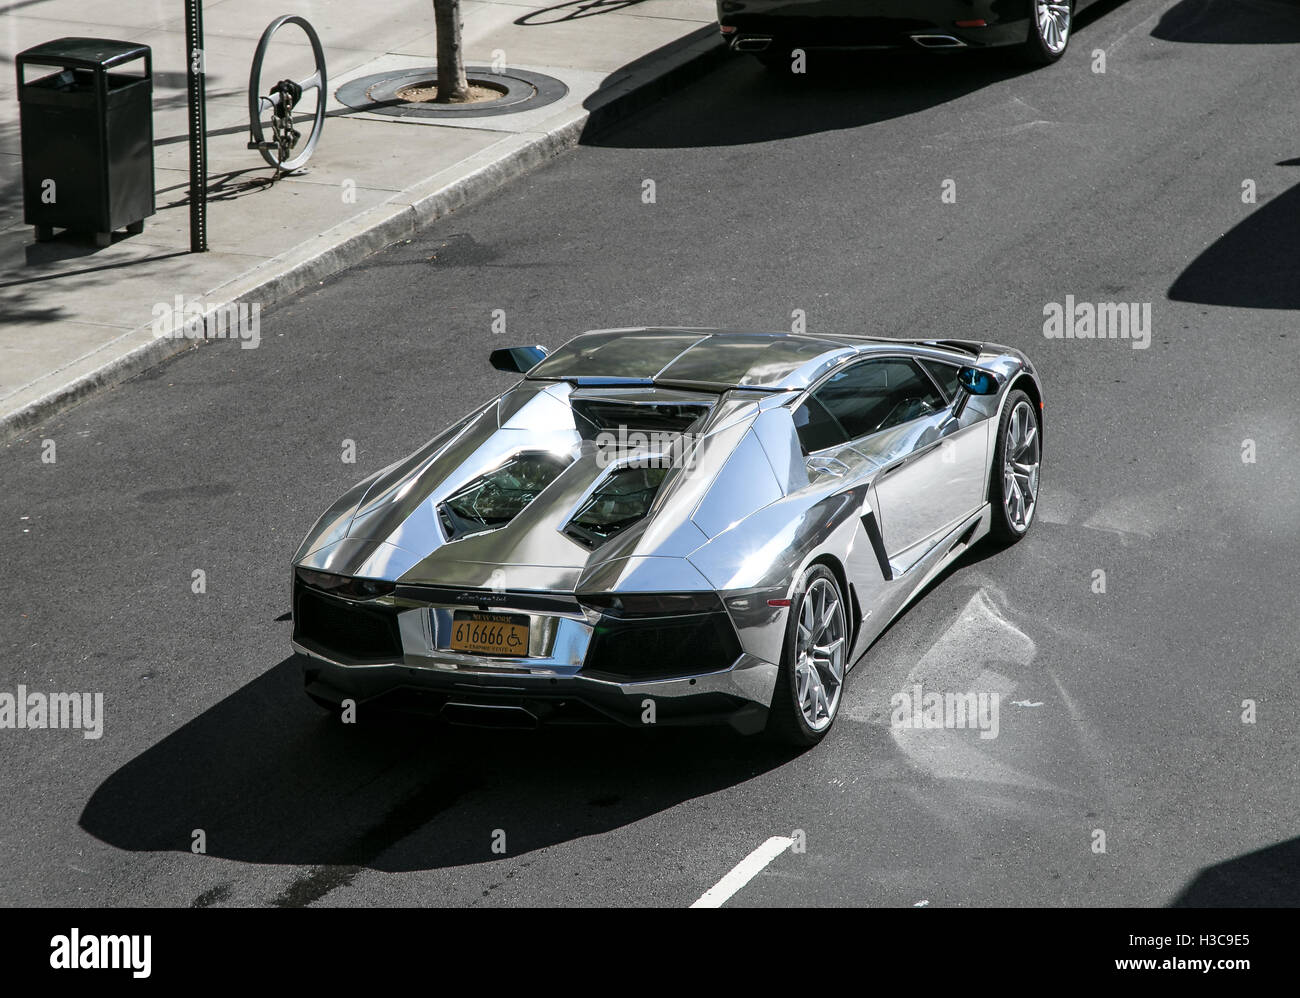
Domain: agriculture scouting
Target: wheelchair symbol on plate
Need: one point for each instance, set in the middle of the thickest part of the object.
(513, 641)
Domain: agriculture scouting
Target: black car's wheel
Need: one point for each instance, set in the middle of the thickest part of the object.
(1050, 24)
(811, 678)
(1013, 486)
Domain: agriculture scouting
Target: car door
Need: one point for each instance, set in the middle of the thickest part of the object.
(932, 467)
(929, 467)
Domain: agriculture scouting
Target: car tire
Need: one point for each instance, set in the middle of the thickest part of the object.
(1014, 483)
(788, 719)
(1040, 48)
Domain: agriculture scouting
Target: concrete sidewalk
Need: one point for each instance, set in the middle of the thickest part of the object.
(74, 318)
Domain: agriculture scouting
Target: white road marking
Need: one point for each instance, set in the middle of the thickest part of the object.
(743, 872)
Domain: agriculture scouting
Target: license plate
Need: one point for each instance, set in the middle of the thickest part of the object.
(489, 633)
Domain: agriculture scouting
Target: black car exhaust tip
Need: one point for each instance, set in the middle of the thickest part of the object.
(751, 43)
(938, 42)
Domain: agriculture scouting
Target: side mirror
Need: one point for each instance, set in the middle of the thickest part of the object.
(972, 381)
(517, 360)
(977, 382)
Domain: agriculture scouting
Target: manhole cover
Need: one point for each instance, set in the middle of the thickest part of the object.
(382, 93)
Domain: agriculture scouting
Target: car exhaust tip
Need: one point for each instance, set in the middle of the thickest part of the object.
(485, 715)
(938, 42)
(751, 43)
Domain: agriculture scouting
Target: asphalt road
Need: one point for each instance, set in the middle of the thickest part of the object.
(1122, 710)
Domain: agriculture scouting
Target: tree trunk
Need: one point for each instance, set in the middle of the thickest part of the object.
(453, 88)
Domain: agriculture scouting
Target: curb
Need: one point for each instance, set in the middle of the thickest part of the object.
(670, 67)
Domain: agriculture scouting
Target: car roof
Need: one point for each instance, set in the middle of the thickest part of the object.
(706, 358)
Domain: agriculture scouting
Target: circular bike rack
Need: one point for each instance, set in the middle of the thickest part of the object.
(282, 151)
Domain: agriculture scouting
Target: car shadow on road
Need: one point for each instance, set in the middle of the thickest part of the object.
(1254, 264)
(1265, 878)
(1231, 22)
(269, 778)
(743, 103)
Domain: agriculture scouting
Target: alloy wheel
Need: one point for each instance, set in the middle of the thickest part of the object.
(819, 654)
(1052, 18)
(1020, 467)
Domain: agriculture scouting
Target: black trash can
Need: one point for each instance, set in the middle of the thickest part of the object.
(87, 137)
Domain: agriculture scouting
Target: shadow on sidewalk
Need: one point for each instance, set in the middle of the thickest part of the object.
(573, 10)
(22, 258)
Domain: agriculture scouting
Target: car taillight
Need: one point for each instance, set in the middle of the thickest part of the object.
(345, 585)
(652, 604)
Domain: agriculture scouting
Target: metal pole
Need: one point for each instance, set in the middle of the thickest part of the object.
(198, 126)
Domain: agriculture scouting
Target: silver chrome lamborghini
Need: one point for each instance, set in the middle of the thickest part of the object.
(668, 526)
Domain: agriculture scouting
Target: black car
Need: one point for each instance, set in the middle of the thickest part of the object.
(1036, 30)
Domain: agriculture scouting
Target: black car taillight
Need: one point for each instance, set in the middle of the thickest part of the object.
(652, 604)
(345, 630)
(344, 585)
(646, 641)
